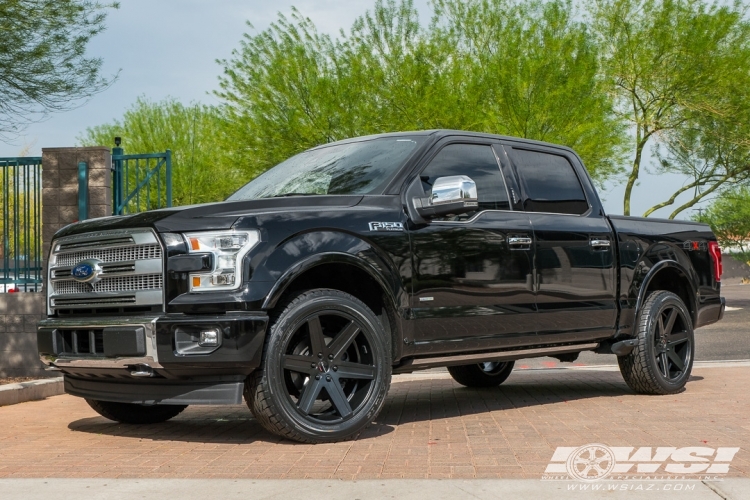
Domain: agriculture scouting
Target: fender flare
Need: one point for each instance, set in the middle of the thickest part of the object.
(312, 261)
(655, 269)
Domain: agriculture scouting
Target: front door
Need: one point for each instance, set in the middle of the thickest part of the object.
(473, 274)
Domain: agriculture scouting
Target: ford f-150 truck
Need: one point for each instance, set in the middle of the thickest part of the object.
(310, 286)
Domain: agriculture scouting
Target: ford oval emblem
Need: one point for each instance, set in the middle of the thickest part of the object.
(87, 271)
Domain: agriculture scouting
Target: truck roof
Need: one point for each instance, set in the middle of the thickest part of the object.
(440, 133)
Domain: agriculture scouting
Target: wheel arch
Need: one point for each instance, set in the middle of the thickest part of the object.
(671, 276)
(347, 273)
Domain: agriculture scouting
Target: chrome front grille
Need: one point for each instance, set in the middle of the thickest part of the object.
(117, 254)
(114, 284)
(130, 271)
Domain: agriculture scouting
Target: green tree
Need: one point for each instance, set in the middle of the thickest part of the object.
(710, 151)
(670, 64)
(43, 63)
(729, 217)
(202, 169)
(527, 69)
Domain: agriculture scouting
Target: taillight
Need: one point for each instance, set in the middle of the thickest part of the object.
(715, 252)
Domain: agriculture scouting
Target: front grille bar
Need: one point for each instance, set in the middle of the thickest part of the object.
(114, 242)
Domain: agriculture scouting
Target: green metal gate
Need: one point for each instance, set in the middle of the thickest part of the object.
(140, 182)
(21, 219)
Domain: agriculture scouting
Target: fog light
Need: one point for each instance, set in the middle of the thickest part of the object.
(209, 338)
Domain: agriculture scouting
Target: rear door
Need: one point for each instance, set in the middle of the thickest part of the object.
(473, 274)
(574, 249)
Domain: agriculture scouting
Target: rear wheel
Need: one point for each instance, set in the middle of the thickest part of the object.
(326, 369)
(129, 413)
(662, 360)
(487, 374)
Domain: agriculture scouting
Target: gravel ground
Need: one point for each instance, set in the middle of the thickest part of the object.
(16, 380)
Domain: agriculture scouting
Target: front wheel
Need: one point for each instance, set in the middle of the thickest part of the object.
(487, 374)
(129, 413)
(662, 360)
(326, 369)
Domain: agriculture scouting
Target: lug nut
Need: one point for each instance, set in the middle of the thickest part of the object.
(317, 377)
(335, 368)
(328, 378)
(330, 356)
(313, 365)
(320, 354)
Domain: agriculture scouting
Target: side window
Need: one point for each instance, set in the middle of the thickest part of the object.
(550, 183)
(479, 163)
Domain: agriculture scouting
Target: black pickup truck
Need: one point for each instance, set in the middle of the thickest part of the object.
(314, 283)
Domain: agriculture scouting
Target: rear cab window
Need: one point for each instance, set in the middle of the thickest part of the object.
(549, 183)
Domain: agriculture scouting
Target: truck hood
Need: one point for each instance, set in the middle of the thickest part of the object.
(210, 216)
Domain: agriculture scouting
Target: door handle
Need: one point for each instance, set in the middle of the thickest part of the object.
(600, 243)
(519, 241)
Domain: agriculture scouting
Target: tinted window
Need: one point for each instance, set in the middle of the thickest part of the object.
(478, 162)
(550, 182)
(353, 168)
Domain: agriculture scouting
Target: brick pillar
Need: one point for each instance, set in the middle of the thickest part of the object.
(60, 187)
(20, 312)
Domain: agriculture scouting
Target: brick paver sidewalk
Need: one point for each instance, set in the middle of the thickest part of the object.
(430, 428)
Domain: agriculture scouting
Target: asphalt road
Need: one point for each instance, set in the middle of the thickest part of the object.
(729, 339)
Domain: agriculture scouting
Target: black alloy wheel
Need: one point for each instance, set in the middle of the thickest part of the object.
(485, 374)
(326, 369)
(662, 360)
(672, 346)
(131, 413)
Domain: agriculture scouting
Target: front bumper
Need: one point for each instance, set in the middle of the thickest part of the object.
(152, 346)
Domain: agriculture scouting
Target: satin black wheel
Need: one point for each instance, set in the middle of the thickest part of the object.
(662, 360)
(486, 374)
(326, 369)
(129, 413)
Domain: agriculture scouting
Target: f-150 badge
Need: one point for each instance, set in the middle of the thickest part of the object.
(386, 226)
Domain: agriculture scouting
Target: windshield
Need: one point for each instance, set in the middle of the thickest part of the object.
(353, 168)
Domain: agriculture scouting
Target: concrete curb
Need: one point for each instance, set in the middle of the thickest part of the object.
(403, 489)
(11, 394)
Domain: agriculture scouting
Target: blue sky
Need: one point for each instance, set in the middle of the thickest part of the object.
(169, 48)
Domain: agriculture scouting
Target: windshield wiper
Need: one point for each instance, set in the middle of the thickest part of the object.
(293, 194)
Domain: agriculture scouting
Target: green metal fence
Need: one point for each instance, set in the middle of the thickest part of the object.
(21, 219)
(141, 182)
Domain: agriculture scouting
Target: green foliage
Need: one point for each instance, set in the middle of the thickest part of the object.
(43, 63)
(527, 69)
(670, 63)
(20, 214)
(710, 151)
(201, 170)
(729, 217)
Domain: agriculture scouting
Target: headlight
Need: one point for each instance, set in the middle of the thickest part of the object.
(228, 249)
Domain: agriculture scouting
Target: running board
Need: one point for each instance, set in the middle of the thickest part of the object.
(414, 364)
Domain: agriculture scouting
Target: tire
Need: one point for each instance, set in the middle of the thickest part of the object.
(129, 413)
(662, 360)
(489, 374)
(326, 369)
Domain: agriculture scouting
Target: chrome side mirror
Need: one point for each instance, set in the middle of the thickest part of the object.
(453, 195)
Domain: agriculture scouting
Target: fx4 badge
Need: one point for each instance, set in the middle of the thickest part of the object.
(386, 226)
(695, 246)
